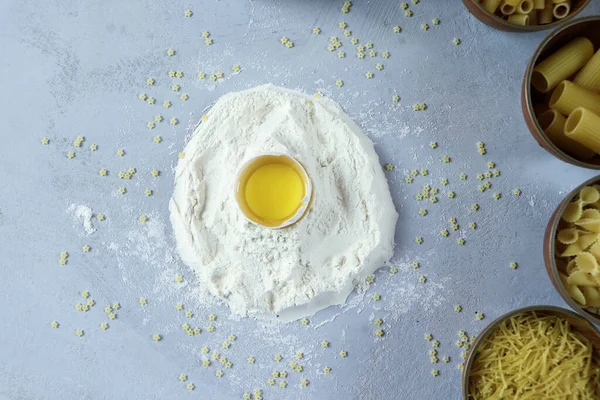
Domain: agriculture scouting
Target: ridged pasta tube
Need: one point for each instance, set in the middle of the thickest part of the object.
(568, 96)
(553, 124)
(589, 76)
(562, 64)
(490, 5)
(519, 19)
(583, 126)
(525, 7)
(562, 9)
(546, 14)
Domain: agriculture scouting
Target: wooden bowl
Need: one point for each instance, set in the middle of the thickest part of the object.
(494, 21)
(531, 100)
(550, 259)
(578, 323)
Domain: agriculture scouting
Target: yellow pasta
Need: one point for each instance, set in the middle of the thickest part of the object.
(513, 3)
(573, 211)
(589, 194)
(568, 96)
(583, 126)
(586, 263)
(525, 7)
(507, 9)
(534, 356)
(539, 4)
(581, 278)
(589, 76)
(546, 15)
(592, 296)
(490, 5)
(562, 9)
(595, 250)
(567, 236)
(519, 19)
(562, 64)
(553, 125)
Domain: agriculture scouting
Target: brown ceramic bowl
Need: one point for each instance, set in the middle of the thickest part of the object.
(533, 102)
(550, 260)
(578, 323)
(495, 21)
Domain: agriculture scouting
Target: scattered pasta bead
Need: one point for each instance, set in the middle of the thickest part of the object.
(54, 325)
(435, 343)
(424, 27)
(343, 25)
(435, 372)
(277, 357)
(79, 332)
(86, 248)
(246, 396)
(282, 384)
(435, 21)
(433, 359)
(446, 159)
(157, 139)
(424, 172)
(173, 121)
(461, 242)
(170, 52)
(408, 13)
(166, 104)
(456, 41)
(172, 73)
(514, 265)
(516, 192)
(324, 344)
(71, 155)
(444, 232)
(270, 381)
(373, 53)
(178, 278)
(389, 167)
(175, 88)
(156, 337)
(419, 240)
(150, 100)
(341, 54)
(143, 218)
(209, 42)
(179, 74)
(339, 83)
(283, 374)
(473, 225)
(451, 195)
(143, 301)
(142, 96)
(219, 373)
(189, 314)
(184, 97)
(251, 360)
(416, 264)
(423, 212)
(304, 321)
(206, 34)
(395, 98)
(370, 279)
(479, 316)
(316, 30)
(457, 308)
(347, 33)
(428, 336)
(497, 196)
(327, 370)
(369, 75)
(408, 179)
(433, 352)
(404, 6)
(475, 207)
(376, 297)
(422, 279)
(446, 359)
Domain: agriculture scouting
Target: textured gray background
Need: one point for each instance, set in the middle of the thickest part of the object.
(73, 68)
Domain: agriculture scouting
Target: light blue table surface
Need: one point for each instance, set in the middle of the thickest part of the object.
(73, 68)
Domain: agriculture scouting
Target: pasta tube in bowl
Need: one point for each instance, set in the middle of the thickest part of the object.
(572, 249)
(560, 95)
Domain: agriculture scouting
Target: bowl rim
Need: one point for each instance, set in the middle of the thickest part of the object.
(530, 28)
(492, 325)
(594, 318)
(528, 96)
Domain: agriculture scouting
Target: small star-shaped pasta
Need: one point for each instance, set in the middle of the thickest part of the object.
(360, 55)
(433, 352)
(433, 359)
(225, 345)
(327, 370)
(206, 34)
(435, 21)
(275, 374)
(179, 306)
(369, 45)
(104, 326)
(446, 159)
(435, 372)
(475, 207)
(408, 179)
(151, 125)
(473, 225)
(103, 172)
(120, 152)
(347, 33)
(487, 174)
(324, 344)
(497, 196)
(339, 83)
(460, 367)
(184, 96)
(456, 41)
(389, 167)
(54, 324)
(150, 81)
(463, 355)
(62, 261)
(446, 359)
(514, 265)
(166, 104)
(150, 100)
(373, 53)
(155, 172)
(444, 232)
(143, 218)
(173, 121)
(482, 188)
(219, 373)
(354, 40)
(491, 165)
(172, 73)
(422, 279)
(148, 192)
(289, 44)
(457, 308)
(433, 199)
(404, 6)
(416, 264)
(461, 241)
(156, 337)
(424, 27)
(183, 378)
(380, 332)
(175, 88)
(496, 173)
(210, 328)
(178, 278)
(408, 13)
(316, 30)
(369, 75)
(423, 212)
(71, 155)
(143, 301)
(86, 248)
(343, 25)
(187, 13)
(246, 396)
(376, 297)
(251, 360)
(190, 386)
(304, 382)
(379, 67)
(330, 47)
(487, 185)
(480, 145)
(435, 343)
(305, 321)
(170, 52)
(270, 381)
(157, 139)
(142, 96)
(112, 316)
(419, 240)
(370, 279)
(424, 172)
(236, 68)
(189, 314)
(451, 195)
(219, 75)
(516, 192)
(212, 317)
(215, 356)
(282, 384)
(45, 140)
(85, 294)
(341, 54)
(93, 147)
(79, 332)
(463, 176)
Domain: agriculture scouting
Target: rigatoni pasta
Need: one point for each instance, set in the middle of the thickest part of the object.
(490, 5)
(519, 19)
(553, 125)
(561, 10)
(568, 96)
(562, 64)
(540, 12)
(577, 248)
(583, 126)
(589, 76)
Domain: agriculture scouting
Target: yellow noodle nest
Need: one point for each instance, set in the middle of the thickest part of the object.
(532, 356)
(578, 248)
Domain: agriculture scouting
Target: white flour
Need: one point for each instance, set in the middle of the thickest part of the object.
(347, 234)
(83, 215)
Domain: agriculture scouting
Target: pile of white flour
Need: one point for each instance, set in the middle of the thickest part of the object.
(347, 234)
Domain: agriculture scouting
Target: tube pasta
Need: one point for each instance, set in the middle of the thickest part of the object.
(589, 76)
(562, 64)
(519, 19)
(561, 10)
(568, 96)
(578, 245)
(539, 4)
(507, 9)
(553, 125)
(583, 126)
(546, 15)
(490, 5)
(525, 7)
